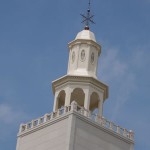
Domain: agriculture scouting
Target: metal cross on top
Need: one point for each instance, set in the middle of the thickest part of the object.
(87, 19)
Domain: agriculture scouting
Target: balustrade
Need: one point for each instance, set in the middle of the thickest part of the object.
(81, 110)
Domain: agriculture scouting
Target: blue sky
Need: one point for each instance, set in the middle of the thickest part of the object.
(33, 52)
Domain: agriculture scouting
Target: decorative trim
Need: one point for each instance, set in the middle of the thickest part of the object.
(82, 55)
(81, 79)
(81, 113)
(73, 57)
(92, 58)
(82, 41)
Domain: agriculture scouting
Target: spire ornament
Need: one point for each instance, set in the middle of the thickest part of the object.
(87, 19)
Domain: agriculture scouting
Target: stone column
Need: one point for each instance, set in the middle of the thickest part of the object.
(55, 101)
(68, 96)
(100, 105)
(87, 99)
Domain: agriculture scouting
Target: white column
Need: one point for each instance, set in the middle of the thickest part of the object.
(100, 105)
(55, 101)
(68, 96)
(87, 98)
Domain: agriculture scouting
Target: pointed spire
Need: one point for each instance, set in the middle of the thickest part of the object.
(87, 19)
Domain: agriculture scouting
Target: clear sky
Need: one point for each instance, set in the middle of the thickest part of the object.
(33, 52)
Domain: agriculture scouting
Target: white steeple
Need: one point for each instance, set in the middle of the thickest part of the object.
(83, 55)
(81, 84)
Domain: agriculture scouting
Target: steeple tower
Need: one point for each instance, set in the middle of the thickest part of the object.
(84, 52)
(81, 84)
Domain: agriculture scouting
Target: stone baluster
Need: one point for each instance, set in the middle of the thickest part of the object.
(89, 114)
(110, 125)
(100, 120)
(86, 112)
(97, 118)
(74, 106)
(32, 123)
(57, 113)
(103, 121)
(68, 108)
(118, 129)
(29, 125)
(22, 128)
(82, 111)
(52, 115)
(45, 118)
(48, 117)
(39, 121)
(125, 132)
(131, 135)
(36, 122)
(65, 109)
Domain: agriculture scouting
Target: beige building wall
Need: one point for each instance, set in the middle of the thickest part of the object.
(90, 137)
(72, 131)
(51, 137)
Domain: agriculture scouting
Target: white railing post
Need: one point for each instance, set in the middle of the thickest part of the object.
(131, 135)
(118, 129)
(57, 113)
(65, 109)
(82, 111)
(32, 123)
(89, 114)
(74, 106)
(29, 125)
(22, 128)
(97, 118)
(100, 120)
(52, 115)
(110, 125)
(45, 118)
(125, 132)
(103, 121)
(48, 117)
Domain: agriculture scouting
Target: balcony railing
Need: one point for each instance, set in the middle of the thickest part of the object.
(82, 111)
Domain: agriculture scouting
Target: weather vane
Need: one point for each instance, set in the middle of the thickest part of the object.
(87, 19)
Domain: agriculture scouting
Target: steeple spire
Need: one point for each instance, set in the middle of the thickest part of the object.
(87, 19)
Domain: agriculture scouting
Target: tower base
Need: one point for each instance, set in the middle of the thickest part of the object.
(71, 129)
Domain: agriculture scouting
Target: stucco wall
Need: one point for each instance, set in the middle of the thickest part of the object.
(72, 132)
(89, 137)
(52, 137)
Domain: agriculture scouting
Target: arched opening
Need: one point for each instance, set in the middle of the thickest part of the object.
(78, 96)
(94, 102)
(61, 99)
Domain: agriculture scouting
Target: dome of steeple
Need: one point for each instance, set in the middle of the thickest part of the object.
(86, 35)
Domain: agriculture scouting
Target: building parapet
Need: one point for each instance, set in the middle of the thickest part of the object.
(82, 111)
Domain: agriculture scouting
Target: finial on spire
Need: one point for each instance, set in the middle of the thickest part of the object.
(87, 19)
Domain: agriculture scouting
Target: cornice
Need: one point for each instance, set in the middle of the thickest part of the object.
(81, 117)
(81, 79)
(85, 41)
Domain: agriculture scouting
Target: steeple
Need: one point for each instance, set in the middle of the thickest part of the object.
(83, 55)
(81, 84)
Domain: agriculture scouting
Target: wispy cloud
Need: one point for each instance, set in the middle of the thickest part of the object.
(111, 66)
(120, 75)
(9, 115)
(10, 120)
